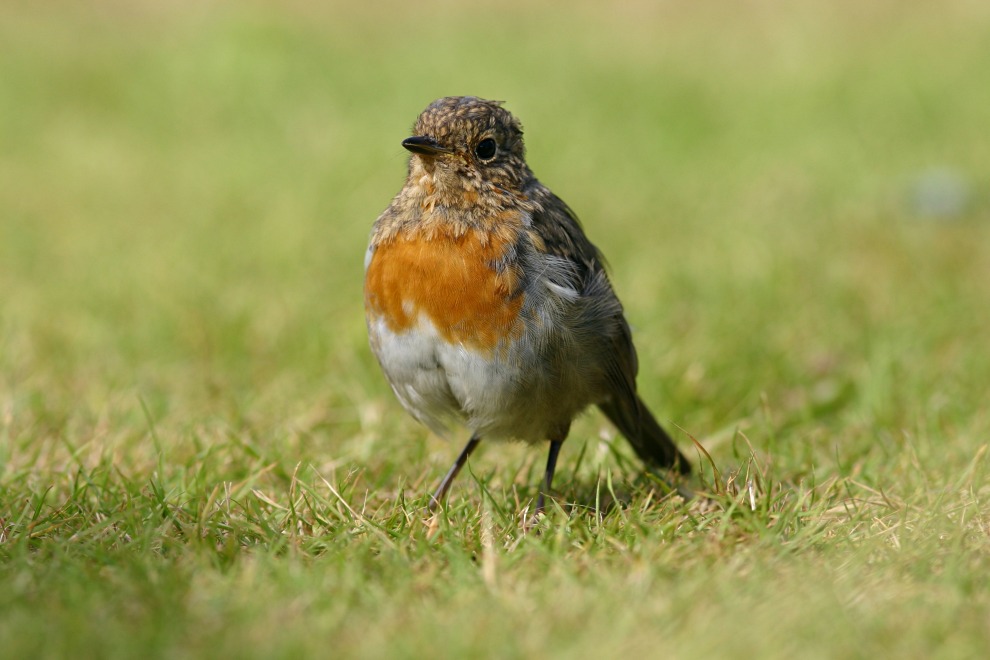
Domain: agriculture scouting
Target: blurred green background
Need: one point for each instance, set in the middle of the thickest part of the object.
(793, 200)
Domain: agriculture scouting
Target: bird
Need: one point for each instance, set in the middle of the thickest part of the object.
(488, 306)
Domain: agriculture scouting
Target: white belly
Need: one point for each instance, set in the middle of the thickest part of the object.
(498, 396)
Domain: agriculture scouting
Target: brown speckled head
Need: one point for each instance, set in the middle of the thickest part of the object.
(461, 123)
(464, 142)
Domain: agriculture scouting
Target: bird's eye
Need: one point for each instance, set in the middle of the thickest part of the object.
(485, 149)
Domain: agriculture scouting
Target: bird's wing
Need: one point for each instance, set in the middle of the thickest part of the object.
(559, 230)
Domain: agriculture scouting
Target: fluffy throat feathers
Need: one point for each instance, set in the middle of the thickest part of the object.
(450, 185)
(434, 208)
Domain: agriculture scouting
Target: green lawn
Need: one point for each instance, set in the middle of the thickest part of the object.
(200, 458)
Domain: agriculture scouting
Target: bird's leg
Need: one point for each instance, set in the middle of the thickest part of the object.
(444, 486)
(548, 478)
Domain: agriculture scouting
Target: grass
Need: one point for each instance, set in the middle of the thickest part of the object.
(199, 457)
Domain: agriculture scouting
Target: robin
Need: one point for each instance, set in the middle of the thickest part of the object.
(487, 304)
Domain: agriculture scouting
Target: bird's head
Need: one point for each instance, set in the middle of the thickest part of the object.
(467, 144)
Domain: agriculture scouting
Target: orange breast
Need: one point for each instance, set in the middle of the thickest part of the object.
(452, 281)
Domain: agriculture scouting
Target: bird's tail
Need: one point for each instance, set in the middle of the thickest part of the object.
(635, 421)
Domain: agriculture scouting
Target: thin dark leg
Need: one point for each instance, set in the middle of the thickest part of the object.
(444, 486)
(548, 479)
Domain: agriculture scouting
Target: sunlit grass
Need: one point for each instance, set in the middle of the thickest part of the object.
(199, 457)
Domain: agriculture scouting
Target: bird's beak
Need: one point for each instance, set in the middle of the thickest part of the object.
(422, 144)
